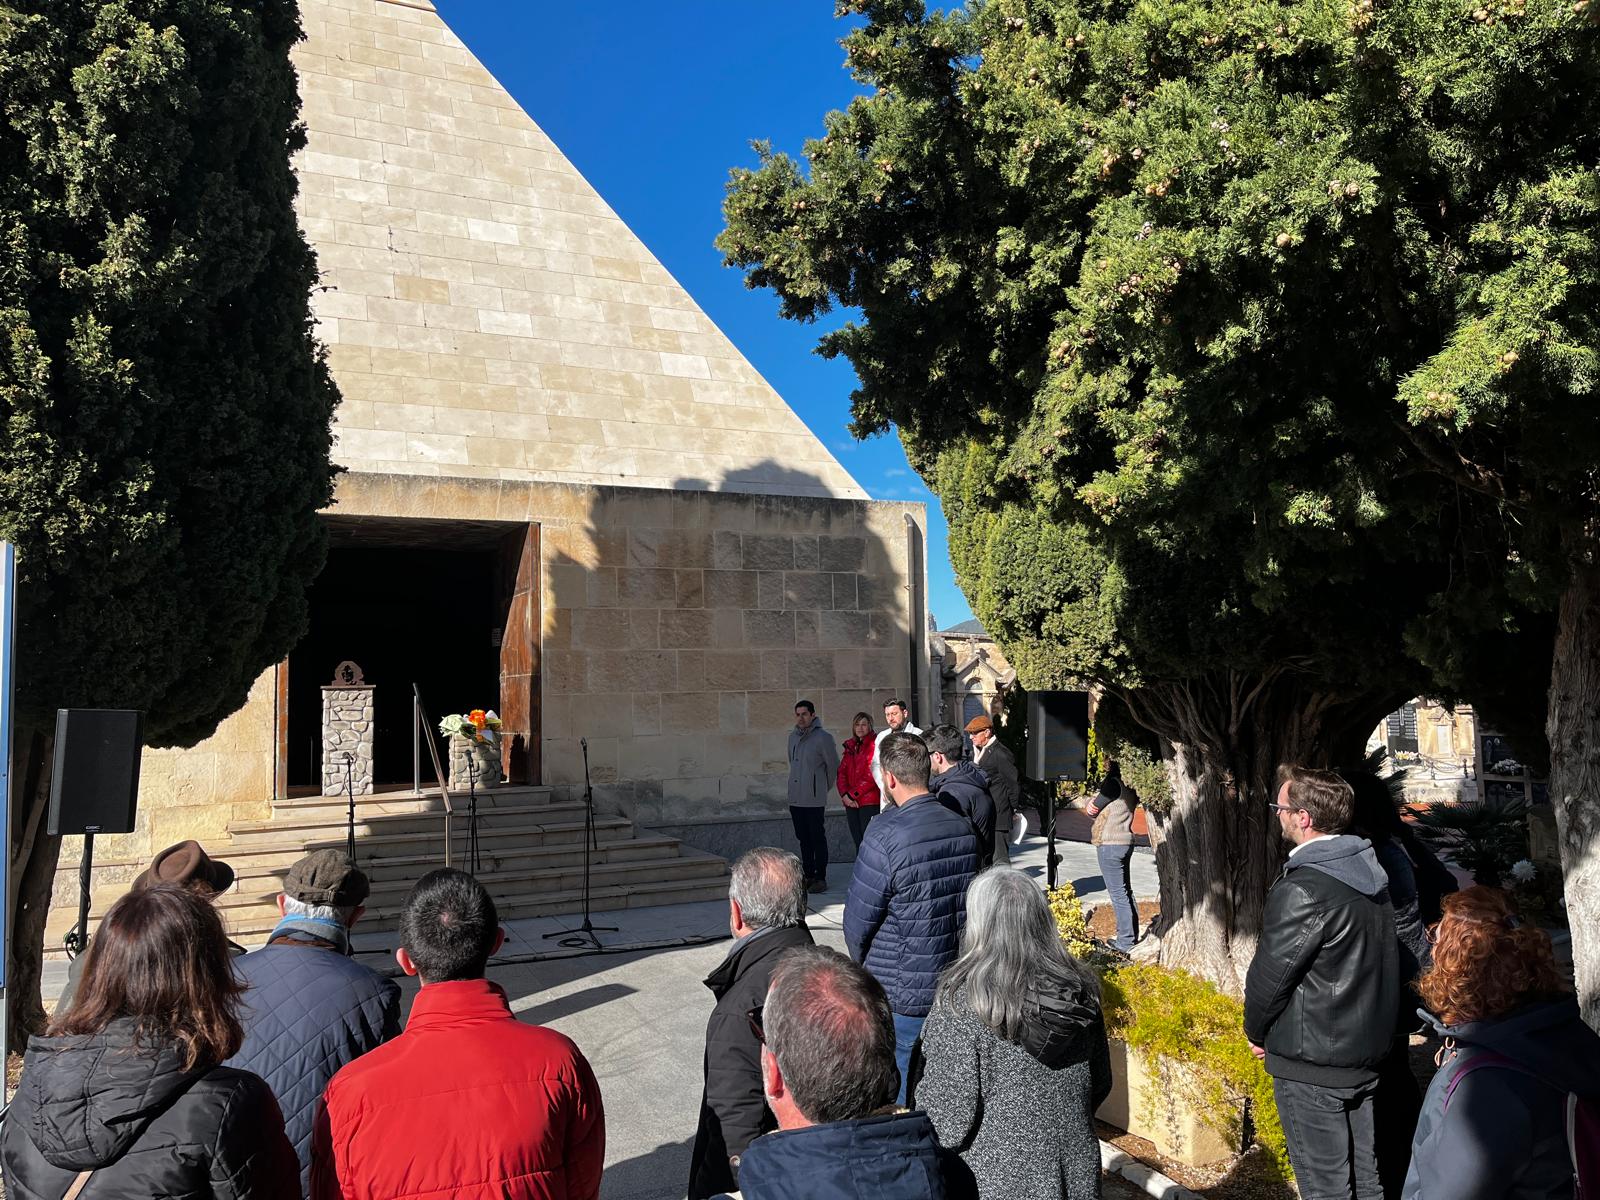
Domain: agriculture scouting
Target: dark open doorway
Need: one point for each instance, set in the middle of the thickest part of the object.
(427, 616)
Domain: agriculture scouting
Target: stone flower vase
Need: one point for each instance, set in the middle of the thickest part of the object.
(483, 758)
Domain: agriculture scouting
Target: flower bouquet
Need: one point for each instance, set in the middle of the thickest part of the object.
(474, 748)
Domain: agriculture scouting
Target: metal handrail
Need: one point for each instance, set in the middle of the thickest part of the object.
(421, 731)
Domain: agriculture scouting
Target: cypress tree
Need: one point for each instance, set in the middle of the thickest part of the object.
(1151, 292)
(167, 410)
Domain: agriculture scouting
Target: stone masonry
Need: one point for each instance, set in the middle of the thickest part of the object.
(679, 629)
(486, 313)
(347, 729)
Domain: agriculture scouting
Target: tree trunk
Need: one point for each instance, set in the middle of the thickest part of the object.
(34, 854)
(1573, 730)
(1217, 847)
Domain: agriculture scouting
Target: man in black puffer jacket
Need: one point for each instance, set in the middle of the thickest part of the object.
(767, 915)
(908, 892)
(961, 787)
(1322, 990)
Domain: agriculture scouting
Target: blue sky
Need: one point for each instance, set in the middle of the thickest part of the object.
(654, 103)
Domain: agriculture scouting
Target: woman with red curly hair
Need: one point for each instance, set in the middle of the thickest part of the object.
(1494, 1121)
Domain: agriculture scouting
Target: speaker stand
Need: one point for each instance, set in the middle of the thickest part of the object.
(78, 940)
(1052, 860)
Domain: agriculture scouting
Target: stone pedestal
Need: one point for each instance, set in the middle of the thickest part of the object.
(346, 729)
(467, 757)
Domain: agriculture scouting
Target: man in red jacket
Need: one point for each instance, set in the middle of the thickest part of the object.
(468, 1102)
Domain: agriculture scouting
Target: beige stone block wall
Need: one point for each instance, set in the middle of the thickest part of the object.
(190, 793)
(487, 314)
(680, 628)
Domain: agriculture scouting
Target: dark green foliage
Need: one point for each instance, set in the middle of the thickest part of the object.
(1484, 837)
(166, 409)
(1181, 305)
(1249, 344)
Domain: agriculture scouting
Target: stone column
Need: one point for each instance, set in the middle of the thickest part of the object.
(347, 729)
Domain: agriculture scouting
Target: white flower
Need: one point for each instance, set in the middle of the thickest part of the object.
(1524, 871)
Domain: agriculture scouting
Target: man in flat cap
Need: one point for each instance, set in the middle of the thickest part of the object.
(187, 865)
(991, 757)
(310, 1007)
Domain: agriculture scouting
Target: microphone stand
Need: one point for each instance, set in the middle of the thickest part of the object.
(350, 820)
(473, 860)
(585, 934)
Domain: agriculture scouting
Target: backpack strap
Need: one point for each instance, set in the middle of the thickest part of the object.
(1489, 1058)
(1486, 1058)
(78, 1184)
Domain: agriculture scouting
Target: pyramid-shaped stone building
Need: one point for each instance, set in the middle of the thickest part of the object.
(568, 496)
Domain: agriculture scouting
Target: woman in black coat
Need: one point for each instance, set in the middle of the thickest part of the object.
(124, 1096)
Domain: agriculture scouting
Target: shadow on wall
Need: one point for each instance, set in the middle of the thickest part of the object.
(680, 627)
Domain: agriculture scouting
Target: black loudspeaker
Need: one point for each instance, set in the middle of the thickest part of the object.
(1058, 735)
(95, 781)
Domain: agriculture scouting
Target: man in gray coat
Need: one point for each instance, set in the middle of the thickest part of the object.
(813, 770)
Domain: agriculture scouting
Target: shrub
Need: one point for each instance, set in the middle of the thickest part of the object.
(1173, 1017)
(1067, 909)
(1485, 837)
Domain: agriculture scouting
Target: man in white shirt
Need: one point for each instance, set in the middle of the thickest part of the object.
(898, 720)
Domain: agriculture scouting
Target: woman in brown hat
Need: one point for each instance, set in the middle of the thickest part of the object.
(186, 865)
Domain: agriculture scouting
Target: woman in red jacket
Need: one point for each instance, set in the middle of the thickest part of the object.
(857, 788)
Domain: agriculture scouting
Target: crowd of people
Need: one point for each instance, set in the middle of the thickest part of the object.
(1355, 933)
(180, 1068)
(956, 1050)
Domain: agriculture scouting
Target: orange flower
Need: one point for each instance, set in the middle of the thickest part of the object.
(478, 717)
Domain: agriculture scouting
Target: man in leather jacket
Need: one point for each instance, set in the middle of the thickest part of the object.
(1322, 990)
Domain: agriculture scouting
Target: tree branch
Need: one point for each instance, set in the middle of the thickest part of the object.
(1460, 469)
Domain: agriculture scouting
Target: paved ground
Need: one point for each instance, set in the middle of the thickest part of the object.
(639, 1014)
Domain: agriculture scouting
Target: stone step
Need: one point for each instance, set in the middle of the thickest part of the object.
(515, 885)
(387, 803)
(388, 854)
(518, 892)
(261, 872)
(561, 821)
(536, 864)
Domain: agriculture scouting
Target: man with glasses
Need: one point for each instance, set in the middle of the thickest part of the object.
(1322, 989)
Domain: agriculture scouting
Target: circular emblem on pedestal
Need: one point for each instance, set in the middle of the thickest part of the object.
(348, 674)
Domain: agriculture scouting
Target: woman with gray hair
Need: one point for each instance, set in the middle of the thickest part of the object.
(1014, 1058)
